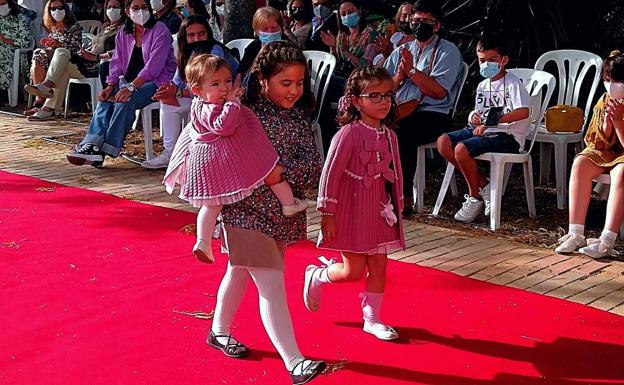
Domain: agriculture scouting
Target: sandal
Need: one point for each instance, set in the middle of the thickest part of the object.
(307, 372)
(231, 349)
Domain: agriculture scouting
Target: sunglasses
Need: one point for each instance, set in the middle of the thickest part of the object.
(61, 8)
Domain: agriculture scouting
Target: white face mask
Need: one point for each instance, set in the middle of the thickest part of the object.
(58, 15)
(220, 10)
(157, 5)
(4, 10)
(139, 17)
(113, 14)
(615, 89)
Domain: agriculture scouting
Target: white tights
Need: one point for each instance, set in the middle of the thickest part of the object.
(273, 307)
(206, 221)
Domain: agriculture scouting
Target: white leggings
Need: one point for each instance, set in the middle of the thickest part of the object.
(273, 307)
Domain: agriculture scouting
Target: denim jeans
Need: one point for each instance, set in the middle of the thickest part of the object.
(112, 121)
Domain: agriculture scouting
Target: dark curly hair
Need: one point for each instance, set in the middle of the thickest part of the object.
(613, 67)
(356, 85)
(271, 60)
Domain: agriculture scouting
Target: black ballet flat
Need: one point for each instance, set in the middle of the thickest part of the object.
(309, 372)
(231, 349)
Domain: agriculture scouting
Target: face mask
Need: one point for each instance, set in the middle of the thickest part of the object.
(615, 89)
(197, 48)
(220, 10)
(423, 31)
(4, 10)
(299, 14)
(322, 11)
(351, 20)
(405, 27)
(489, 69)
(268, 37)
(113, 14)
(139, 17)
(157, 5)
(58, 15)
(186, 12)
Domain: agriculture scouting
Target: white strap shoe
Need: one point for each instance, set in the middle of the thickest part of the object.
(570, 242)
(299, 206)
(381, 331)
(597, 249)
(203, 251)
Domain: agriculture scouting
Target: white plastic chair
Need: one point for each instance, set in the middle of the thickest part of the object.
(239, 45)
(540, 86)
(573, 67)
(17, 76)
(321, 65)
(91, 26)
(94, 83)
(418, 190)
(605, 179)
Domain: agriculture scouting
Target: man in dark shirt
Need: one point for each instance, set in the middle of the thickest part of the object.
(163, 9)
(324, 20)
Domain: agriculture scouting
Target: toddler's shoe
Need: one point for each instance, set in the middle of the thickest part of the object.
(597, 249)
(299, 206)
(310, 298)
(569, 243)
(381, 331)
(471, 208)
(203, 252)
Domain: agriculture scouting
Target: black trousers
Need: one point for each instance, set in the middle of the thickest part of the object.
(421, 127)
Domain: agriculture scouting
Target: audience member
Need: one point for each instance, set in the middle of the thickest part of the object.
(217, 18)
(402, 33)
(300, 13)
(163, 10)
(324, 21)
(14, 33)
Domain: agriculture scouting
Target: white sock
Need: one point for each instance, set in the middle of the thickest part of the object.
(231, 292)
(206, 220)
(574, 228)
(284, 193)
(371, 306)
(608, 237)
(275, 315)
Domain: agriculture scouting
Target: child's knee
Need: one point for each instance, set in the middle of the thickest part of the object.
(461, 152)
(274, 177)
(444, 143)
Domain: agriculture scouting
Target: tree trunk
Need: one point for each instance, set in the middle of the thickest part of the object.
(238, 19)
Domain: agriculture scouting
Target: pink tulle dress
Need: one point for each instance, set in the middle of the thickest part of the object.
(221, 156)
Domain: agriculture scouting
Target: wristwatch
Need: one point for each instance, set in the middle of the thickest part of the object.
(130, 87)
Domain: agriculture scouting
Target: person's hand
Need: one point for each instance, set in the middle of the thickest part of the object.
(406, 61)
(328, 227)
(53, 43)
(44, 41)
(166, 91)
(235, 94)
(479, 130)
(384, 44)
(328, 38)
(105, 94)
(615, 110)
(344, 44)
(123, 96)
(105, 56)
(475, 118)
(87, 55)
(286, 19)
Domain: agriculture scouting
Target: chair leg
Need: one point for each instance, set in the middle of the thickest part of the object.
(496, 193)
(508, 167)
(67, 100)
(94, 95)
(419, 180)
(561, 162)
(448, 175)
(528, 186)
(545, 155)
(453, 185)
(147, 133)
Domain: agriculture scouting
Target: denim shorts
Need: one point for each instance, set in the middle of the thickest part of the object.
(490, 142)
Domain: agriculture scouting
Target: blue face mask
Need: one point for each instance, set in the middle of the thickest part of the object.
(268, 37)
(351, 20)
(185, 12)
(322, 11)
(489, 69)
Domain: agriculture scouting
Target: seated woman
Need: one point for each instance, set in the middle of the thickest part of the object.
(63, 32)
(403, 33)
(300, 13)
(175, 99)
(64, 65)
(143, 61)
(603, 154)
(14, 33)
(164, 12)
(217, 18)
(195, 8)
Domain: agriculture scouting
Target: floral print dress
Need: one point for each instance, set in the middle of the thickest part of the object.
(70, 37)
(16, 28)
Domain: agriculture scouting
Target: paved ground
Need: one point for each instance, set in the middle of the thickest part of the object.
(574, 277)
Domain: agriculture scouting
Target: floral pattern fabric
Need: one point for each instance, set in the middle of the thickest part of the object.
(70, 37)
(16, 28)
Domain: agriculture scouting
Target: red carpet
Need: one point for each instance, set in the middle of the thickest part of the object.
(90, 285)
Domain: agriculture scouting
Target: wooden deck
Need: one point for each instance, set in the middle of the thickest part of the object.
(572, 277)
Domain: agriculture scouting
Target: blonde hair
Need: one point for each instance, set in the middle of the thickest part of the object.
(397, 17)
(263, 15)
(202, 65)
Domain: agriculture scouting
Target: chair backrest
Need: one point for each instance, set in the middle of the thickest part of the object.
(87, 40)
(463, 75)
(321, 65)
(175, 45)
(239, 45)
(540, 85)
(572, 68)
(91, 26)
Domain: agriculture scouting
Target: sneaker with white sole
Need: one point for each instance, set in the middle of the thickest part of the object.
(569, 243)
(597, 249)
(41, 115)
(87, 154)
(485, 194)
(381, 331)
(39, 90)
(471, 208)
(299, 206)
(161, 161)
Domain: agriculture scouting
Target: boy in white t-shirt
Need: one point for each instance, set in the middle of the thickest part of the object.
(499, 123)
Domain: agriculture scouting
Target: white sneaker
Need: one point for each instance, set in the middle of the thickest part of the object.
(310, 300)
(597, 249)
(570, 242)
(299, 206)
(161, 161)
(485, 194)
(470, 210)
(381, 331)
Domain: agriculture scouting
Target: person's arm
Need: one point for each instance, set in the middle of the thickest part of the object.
(221, 121)
(392, 66)
(429, 86)
(520, 102)
(439, 83)
(116, 63)
(159, 47)
(515, 115)
(338, 157)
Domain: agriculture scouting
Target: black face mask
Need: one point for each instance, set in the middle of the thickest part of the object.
(197, 48)
(406, 28)
(423, 31)
(300, 14)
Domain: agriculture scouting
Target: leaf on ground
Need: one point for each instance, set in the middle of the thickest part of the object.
(333, 368)
(197, 314)
(45, 189)
(84, 180)
(132, 197)
(11, 245)
(189, 229)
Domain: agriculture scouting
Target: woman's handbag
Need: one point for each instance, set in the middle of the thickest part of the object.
(564, 118)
